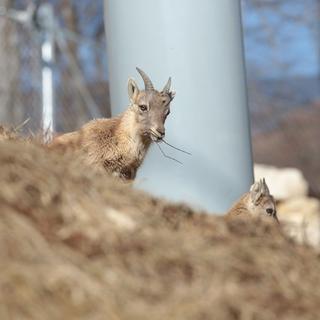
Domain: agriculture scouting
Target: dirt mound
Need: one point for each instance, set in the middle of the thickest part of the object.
(76, 244)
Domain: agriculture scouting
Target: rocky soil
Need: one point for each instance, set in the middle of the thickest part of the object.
(76, 244)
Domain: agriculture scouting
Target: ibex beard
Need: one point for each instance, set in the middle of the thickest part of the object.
(120, 144)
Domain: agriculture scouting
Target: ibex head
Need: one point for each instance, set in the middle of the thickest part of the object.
(261, 201)
(151, 106)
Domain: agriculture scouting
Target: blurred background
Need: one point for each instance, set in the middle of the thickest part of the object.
(282, 48)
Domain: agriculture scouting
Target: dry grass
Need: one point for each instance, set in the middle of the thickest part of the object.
(76, 244)
(8, 134)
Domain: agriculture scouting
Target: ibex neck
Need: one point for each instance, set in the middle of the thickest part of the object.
(241, 206)
(130, 128)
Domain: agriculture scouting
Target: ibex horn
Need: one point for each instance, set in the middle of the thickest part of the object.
(166, 88)
(265, 187)
(147, 82)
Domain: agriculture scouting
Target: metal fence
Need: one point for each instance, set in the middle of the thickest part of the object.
(78, 95)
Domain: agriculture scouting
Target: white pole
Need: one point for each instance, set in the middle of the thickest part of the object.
(46, 19)
(199, 44)
(47, 87)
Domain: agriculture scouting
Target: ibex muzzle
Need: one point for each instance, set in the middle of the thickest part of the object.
(150, 106)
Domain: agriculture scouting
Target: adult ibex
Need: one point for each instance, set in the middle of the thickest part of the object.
(120, 144)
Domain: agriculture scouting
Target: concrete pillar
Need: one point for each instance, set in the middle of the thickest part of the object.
(199, 44)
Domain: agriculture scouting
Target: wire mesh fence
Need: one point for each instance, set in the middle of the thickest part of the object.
(20, 74)
(80, 89)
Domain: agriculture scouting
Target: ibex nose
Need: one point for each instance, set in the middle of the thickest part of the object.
(161, 132)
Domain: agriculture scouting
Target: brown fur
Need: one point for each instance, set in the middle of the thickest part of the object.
(254, 204)
(120, 144)
(114, 144)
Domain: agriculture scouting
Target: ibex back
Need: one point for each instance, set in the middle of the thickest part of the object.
(120, 144)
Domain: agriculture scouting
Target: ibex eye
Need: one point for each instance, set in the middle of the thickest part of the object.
(269, 210)
(143, 107)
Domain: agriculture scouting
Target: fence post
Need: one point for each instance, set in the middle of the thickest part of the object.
(45, 19)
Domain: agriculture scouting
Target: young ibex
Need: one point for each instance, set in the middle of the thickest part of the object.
(120, 144)
(258, 202)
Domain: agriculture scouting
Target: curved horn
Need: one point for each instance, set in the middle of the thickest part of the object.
(166, 88)
(147, 82)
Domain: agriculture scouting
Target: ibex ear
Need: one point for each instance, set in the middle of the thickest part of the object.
(172, 94)
(133, 90)
(255, 192)
(265, 189)
(167, 90)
